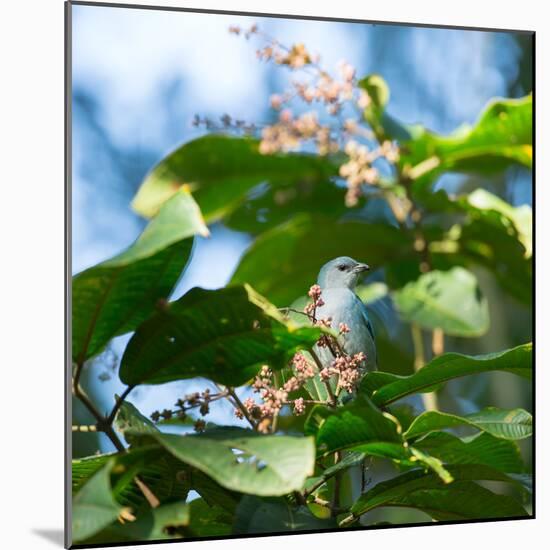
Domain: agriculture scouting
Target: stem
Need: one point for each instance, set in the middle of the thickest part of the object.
(104, 425)
(332, 397)
(348, 520)
(327, 504)
(316, 486)
(429, 399)
(118, 404)
(337, 483)
(239, 404)
(81, 395)
(438, 341)
(398, 211)
(91, 428)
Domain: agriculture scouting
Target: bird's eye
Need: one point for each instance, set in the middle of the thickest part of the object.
(342, 267)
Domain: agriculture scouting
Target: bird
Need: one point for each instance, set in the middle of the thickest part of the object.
(338, 279)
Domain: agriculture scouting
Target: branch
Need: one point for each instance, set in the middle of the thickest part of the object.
(332, 397)
(118, 404)
(239, 404)
(438, 342)
(429, 399)
(335, 505)
(105, 426)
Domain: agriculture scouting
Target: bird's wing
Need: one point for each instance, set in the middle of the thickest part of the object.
(367, 320)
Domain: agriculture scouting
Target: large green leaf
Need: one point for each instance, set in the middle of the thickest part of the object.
(284, 262)
(449, 300)
(520, 217)
(115, 296)
(504, 455)
(501, 423)
(460, 499)
(209, 521)
(491, 240)
(221, 334)
(277, 204)
(386, 388)
(220, 170)
(157, 469)
(359, 426)
(493, 234)
(242, 460)
(501, 136)
(129, 418)
(93, 507)
(169, 521)
(272, 515)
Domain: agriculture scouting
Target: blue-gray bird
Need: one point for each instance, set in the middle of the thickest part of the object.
(338, 279)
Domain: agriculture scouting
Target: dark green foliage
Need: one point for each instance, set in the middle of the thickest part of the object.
(294, 205)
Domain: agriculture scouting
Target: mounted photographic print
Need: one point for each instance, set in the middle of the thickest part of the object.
(301, 288)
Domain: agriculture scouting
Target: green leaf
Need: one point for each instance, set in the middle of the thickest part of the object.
(156, 468)
(223, 335)
(481, 448)
(433, 463)
(372, 292)
(115, 296)
(261, 515)
(169, 521)
(277, 204)
(219, 170)
(377, 88)
(386, 388)
(359, 426)
(501, 423)
(449, 300)
(209, 521)
(129, 418)
(460, 499)
(84, 468)
(242, 460)
(501, 136)
(284, 262)
(379, 94)
(94, 507)
(493, 234)
(520, 216)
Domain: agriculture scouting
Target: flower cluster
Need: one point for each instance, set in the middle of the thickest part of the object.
(343, 373)
(359, 168)
(347, 369)
(316, 301)
(195, 400)
(290, 132)
(337, 95)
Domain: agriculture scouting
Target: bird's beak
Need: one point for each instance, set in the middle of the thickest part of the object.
(361, 267)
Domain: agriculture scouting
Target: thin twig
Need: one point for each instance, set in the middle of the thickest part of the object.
(331, 395)
(239, 404)
(337, 482)
(429, 399)
(438, 341)
(327, 504)
(118, 404)
(106, 427)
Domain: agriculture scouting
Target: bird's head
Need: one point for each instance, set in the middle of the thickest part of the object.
(342, 272)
